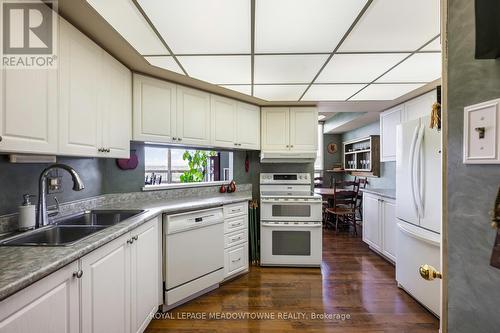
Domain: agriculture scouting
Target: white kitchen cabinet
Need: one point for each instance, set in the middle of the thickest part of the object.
(80, 119)
(94, 98)
(224, 115)
(289, 129)
(155, 109)
(248, 126)
(420, 106)
(389, 120)
(303, 129)
(234, 124)
(193, 116)
(28, 111)
(379, 224)
(371, 221)
(275, 129)
(145, 271)
(235, 239)
(116, 108)
(389, 229)
(106, 288)
(47, 306)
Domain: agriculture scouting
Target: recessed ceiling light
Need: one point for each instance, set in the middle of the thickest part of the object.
(124, 17)
(420, 67)
(219, 69)
(287, 68)
(331, 92)
(279, 92)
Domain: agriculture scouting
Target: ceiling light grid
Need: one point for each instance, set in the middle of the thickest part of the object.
(272, 48)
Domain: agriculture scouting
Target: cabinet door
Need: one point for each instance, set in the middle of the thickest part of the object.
(105, 289)
(50, 305)
(193, 116)
(145, 272)
(116, 99)
(248, 126)
(371, 221)
(420, 107)
(235, 260)
(275, 129)
(154, 110)
(28, 111)
(223, 121)
(79, 115)
(389, 229)
(303, 129)
(389, 120)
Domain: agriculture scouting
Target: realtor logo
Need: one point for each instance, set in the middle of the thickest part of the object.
(29, 33)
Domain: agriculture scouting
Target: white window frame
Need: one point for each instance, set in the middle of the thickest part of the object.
(320, 153)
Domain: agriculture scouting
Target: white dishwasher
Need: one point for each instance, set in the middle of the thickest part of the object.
(193, 254)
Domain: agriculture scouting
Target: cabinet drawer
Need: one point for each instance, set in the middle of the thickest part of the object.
(235, 238)
(235, 223)
(237, 209)
(236, 259)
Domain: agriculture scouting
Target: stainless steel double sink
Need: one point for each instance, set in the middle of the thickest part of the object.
(69, 230)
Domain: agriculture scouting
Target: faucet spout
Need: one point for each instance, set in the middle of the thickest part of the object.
(42, 214)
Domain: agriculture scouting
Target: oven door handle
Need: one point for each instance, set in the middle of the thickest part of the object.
(292, 225)
(291, 201)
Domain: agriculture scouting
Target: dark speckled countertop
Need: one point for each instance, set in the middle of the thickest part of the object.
(21, 266)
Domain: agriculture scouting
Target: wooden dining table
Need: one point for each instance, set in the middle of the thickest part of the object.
(329, 193)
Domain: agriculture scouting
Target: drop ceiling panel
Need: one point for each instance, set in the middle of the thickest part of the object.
(287, 68)
(395, 25)
(331, 92)
(124, 17)
(218, 69)
(165, 62)
(294, 26)
(200, 26)
(242, 88)
(433, 46)
(358, 68)
(421, 67)
(279, 92)
(378, 92)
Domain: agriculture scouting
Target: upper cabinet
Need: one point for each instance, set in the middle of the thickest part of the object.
(94, 99)
(234, 124)
(154, 109)
(388, 122)
(28, 111)
(289, 129)
(390, 119)
(168, 113)
(193, 116)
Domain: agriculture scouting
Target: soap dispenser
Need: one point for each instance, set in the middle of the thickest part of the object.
(27, 213)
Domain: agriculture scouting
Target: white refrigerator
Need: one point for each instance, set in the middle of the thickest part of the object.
(418, 209)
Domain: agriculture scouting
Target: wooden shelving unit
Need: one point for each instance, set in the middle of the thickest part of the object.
(362, 156)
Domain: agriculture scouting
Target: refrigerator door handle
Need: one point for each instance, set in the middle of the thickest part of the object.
(418, 172)
(412, 167)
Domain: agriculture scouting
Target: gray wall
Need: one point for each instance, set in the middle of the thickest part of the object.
(387, 177)
(331, 159)
(473, 285)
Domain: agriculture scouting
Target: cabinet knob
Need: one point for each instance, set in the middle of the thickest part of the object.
(108, 150)
(291, 146)
(180, 139)
(174, 138)
(135, 237)
(100, 150)
(130, 241)
(287, 146)
(78, 274)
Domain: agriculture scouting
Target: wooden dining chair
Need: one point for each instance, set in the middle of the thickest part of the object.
(363, 181)
(344, 204)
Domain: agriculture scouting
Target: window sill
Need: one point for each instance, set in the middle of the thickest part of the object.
(183, 185)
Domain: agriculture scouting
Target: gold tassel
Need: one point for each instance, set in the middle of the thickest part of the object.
(436, 116)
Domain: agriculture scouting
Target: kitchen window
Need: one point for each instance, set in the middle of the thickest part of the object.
(318, 163)
(168, 167)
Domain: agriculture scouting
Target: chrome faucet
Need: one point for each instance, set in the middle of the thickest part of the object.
(43, 214)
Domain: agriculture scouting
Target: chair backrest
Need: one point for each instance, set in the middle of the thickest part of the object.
(346, 197)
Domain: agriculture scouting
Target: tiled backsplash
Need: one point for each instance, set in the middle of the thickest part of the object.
(10, 222)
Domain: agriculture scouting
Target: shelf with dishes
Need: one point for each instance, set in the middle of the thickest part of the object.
(362, 156)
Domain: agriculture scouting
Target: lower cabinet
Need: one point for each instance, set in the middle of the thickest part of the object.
(235, 239)
(49, 305)
(379, 224)
(120, 283)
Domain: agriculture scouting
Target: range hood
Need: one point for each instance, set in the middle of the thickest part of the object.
(287, 157)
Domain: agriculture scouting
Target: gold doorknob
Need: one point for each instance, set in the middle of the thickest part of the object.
(429, 273)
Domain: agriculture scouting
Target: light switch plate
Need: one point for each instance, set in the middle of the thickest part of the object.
(481, 133)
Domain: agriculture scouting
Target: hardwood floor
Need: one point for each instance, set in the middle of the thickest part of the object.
(353, 281)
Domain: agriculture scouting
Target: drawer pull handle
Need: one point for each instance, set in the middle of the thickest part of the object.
(235, 239)
(236, 260)
(236, 225)
(78, 274)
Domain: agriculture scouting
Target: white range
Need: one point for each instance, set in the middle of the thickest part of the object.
(290, 220)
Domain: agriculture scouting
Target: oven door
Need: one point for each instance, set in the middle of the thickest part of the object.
(290, 210)
(291, 243)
